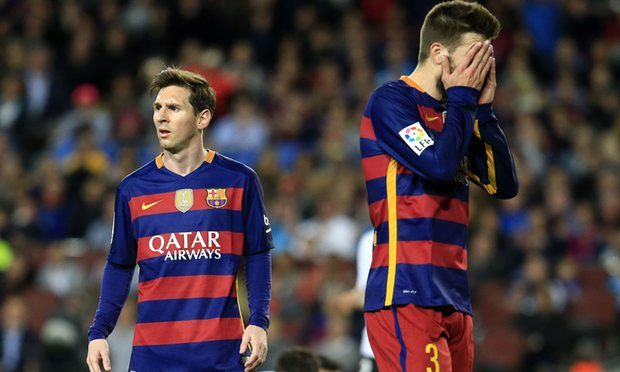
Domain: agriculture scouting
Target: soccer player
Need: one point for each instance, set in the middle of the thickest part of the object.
(423, 138)
(187, 219)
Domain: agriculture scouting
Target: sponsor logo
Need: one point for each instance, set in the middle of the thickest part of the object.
(187, 245)
(184, 199)
(267, 225)
(147, 206)
(216, 198)
(416, 138)
(432, 118)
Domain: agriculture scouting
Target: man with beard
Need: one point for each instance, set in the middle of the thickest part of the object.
(422, 138)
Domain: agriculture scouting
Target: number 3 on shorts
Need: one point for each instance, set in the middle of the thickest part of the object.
(432, 350)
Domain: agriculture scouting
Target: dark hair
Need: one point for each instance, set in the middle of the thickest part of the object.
(201, 97)
(447, 22)
(298, 359)
(328, 364)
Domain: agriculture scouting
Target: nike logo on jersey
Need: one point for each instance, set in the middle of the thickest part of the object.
(432, 118)
(147, 206)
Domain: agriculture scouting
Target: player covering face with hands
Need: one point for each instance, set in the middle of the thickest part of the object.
(423, 139)
(188, 219)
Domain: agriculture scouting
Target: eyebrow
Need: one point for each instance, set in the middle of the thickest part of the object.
(169, 104)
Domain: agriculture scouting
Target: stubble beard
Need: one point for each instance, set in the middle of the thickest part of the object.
(441, 89)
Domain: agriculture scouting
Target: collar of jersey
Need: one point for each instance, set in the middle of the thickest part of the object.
(159, 160)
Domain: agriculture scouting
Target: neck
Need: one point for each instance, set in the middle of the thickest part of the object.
(425, 75)
(186, 161)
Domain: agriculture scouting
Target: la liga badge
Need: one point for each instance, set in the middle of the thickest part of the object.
(416, 137)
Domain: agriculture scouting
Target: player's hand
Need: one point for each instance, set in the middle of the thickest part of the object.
(472, 71)
(256, 338)
(98, 350)
(488, 89)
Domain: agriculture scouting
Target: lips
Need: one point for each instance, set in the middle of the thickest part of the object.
(163, 133)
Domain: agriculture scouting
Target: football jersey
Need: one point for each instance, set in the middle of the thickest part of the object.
(188, 235)
(418, 156)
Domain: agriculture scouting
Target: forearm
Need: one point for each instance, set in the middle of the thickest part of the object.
(115, 287)
(258, 282)
(500, 163)
(453, 142)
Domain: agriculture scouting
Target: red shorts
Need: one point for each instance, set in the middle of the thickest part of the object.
(413, 338)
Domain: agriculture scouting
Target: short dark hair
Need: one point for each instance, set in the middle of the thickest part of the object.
(202, 95)
(298, 359)
(448, 21)
(329, 364)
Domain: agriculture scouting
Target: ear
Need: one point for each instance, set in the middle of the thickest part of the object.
(204, 119)
(437, 52)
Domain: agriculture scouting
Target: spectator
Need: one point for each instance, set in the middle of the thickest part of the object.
(298, 360)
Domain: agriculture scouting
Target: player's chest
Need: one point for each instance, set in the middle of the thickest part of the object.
(202, 224)
(433, 118)
(180, 202)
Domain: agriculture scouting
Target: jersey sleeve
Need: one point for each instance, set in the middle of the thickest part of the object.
(115, 287)
(256, 227)
(491, 165)
(402, 134)
(123, 248)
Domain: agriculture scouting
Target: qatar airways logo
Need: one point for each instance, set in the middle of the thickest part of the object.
(191, 245)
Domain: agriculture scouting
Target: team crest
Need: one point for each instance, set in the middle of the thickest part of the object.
(184, 199)
(216, 198)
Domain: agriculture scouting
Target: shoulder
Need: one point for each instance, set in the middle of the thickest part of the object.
(394, 88)
(234, 166)
(392, 93)
(136, 176)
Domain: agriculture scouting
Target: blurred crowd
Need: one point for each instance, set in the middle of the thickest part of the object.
(292, 78)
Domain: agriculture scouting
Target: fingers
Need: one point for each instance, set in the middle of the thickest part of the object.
(105, 354)
(446, 70)
(251, 363)
(445, 66)
(471, 54)
(93, 363)
(486, 69)
(482, 67)
(258, 356)
(244, 343)
(492, 71)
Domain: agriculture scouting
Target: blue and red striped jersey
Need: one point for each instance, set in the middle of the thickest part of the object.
(188, 235)
(418, 156)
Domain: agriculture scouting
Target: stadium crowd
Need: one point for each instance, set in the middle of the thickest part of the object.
(292, 78)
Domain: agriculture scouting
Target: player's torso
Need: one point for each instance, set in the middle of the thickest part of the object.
(189, 237)
(189, 225)
(428, 228)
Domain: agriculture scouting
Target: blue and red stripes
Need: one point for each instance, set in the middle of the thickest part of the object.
(187, 331)
(421, 227)
(154, 204)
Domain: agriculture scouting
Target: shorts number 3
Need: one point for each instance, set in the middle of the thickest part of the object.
(432, 350)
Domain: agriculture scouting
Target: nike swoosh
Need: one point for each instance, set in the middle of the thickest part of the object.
(432, 118)
(147, 206)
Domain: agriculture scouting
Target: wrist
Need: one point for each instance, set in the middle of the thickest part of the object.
(465, 97)
(485, 114)
(259, 321)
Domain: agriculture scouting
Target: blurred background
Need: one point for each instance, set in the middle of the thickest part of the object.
(292, 78)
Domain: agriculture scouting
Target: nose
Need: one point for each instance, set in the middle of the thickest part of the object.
(160, 116)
